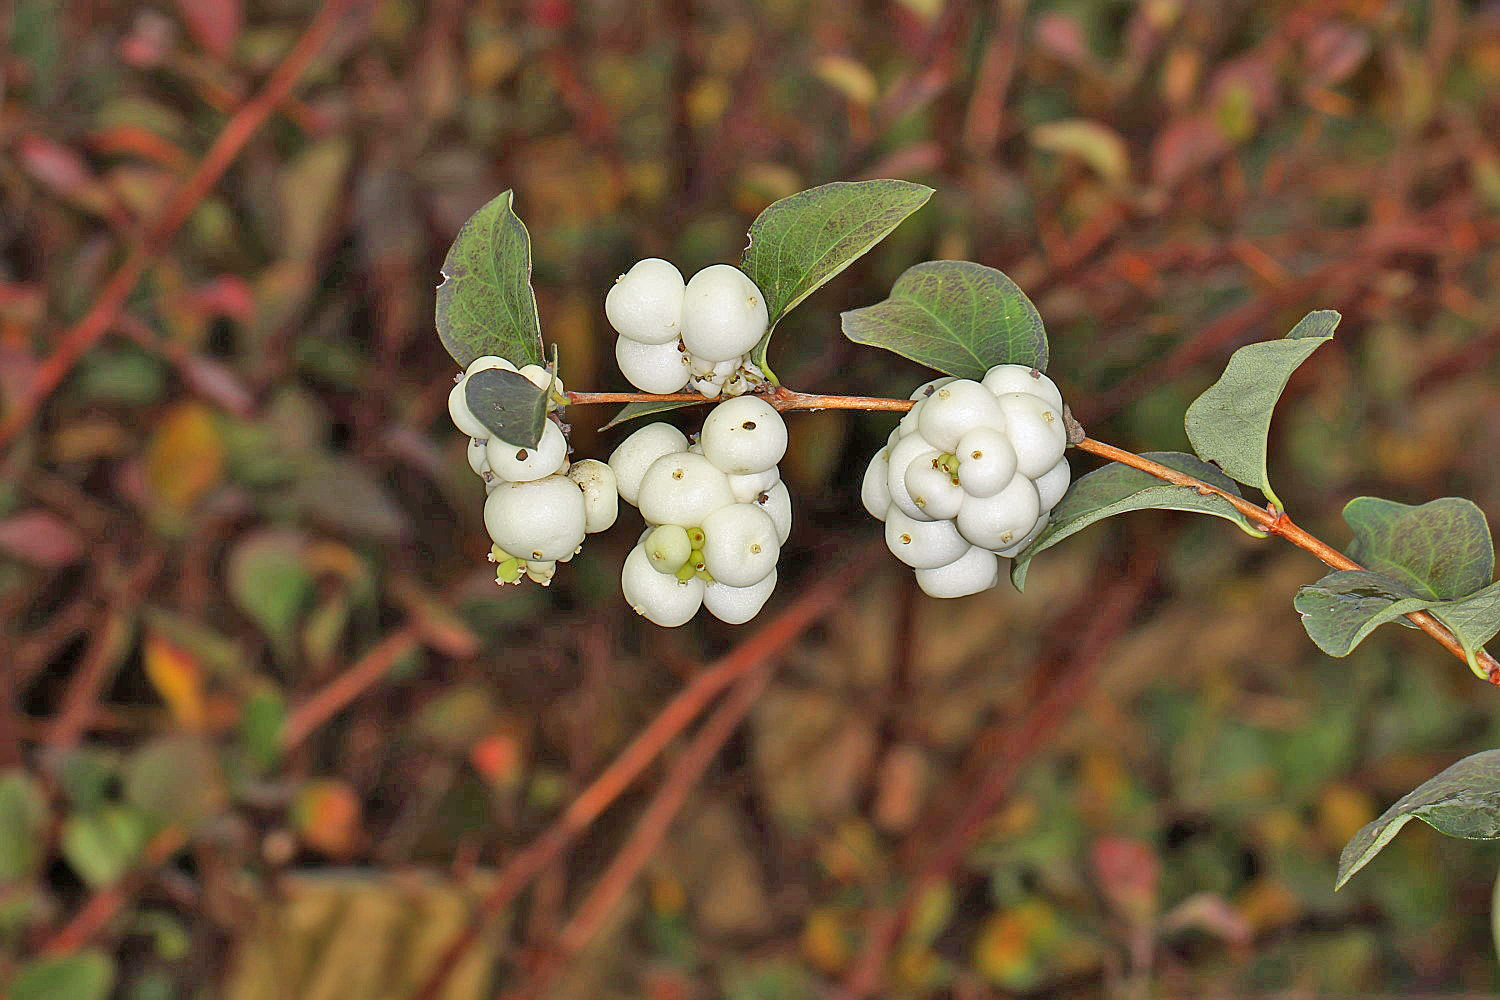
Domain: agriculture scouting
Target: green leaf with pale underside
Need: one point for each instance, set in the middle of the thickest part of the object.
(485, 304)
(956, 316)
(1230, 422)
(1462, 801)
(508, 404)
(1118, 489)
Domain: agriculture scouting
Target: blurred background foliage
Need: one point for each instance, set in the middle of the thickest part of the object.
(269, 725)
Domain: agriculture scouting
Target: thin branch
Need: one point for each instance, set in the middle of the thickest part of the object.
(337, 694)
(107, 903)
(1277, 523)
(677, 715)
(79, 338)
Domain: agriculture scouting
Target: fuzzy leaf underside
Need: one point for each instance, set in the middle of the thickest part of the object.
(485, 304)
(508, 404)
(1230, 422)
(1461, 801)
(1439, 549)
(956, 316)
(1118, 489)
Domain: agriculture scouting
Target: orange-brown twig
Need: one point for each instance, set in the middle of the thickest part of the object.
(79, 338)
(106, 904)
(767, 641)
(336, 695)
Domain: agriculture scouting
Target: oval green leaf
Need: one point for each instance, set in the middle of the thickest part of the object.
(485, 304)
(800, 242)
(85, 975)
(1229, 423)
(1118, 489)
(956, 316)
(1462, 801)
(508, 404)
(1440, 549)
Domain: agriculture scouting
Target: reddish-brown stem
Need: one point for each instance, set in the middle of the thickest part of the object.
(337, 694)
(1276, 522)
(79, 338)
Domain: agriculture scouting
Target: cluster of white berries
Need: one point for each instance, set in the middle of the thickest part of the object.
(970, 476)
(539, 505)
(673, 333)
(716, 512)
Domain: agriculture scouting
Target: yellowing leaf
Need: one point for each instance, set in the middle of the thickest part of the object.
(327, 816)
(849, 78)
(178, 678)
(1096, 145)
(185, 457)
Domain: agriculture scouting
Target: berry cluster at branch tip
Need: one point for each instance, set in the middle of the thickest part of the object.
(716, 514)
(539, 505)
(970, 476)
(674, 333)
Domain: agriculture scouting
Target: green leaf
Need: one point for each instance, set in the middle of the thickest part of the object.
(260, 728)
(84, 975)
(175, 780)
(1118, 489)
(509, 405)
(1229, 423)
(485, 304)
(23, 825)
(1438, 549)
(269, 581)
(956, 316)
(102, 845)
(1345, 606)
(1462, 801)
(633, 411)
(802, 241)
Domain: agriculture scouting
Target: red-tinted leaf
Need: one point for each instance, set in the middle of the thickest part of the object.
(1062, 36)
(1333, 52)
(1184, 146)
(214, 24)
(1127, 871)
(41, 538)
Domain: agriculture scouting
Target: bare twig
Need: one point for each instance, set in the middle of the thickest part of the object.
(337, 694)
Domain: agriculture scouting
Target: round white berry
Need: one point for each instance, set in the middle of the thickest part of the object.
(751, 485)
(777, 502)
(477, 461)
(907, 425)
(657, 597)
(707, 388)
(458, 402)
(956, 408)
(927, 388)
(541, 572)
(538, 376)
(601, 494)
(986, 461)
(645, 304)
(744, 435)
(1036, 431)
(932, 488)
(1052, 484)
(667, 546)
(682, 489)
(633, 456)
(974, 571)
(1002, 379)
(998, 521)
(522, 465)
(740, 544)
(538, 520)
(655, 368)
(923, 544)
(1026, 539)
(723, 313)
(737, 605)
(900, 456)
(718, 371)
(873, 492)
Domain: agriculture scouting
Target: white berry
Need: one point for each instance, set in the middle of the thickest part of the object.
(723, 313)
(655, 368)
(458, 402)
(645, 304)
(923, 544)
(1052, 484)
(538, 520)
(601, 494)
(633, 456)
(737, 605)
(1002, 379)
(975, 571)
(475, 453)
(522, 465)
(751, 485)
(932, 488)
(682, 489)
(740, 544)
(657, 597)
(900, 457)
(1036, 431)
(873, 492)
(777, 502)
(744, 435)
(986, 461)
(956, 408)
(1026, 539)
(998, 521)
(667, 547)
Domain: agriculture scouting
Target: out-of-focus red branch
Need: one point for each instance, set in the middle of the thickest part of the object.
(768, 641)
(79, 338)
